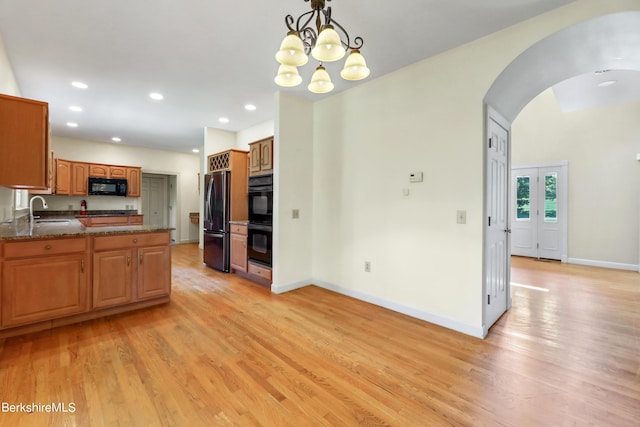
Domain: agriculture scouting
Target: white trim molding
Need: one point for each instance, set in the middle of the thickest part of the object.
(280, 289)
(603, 264)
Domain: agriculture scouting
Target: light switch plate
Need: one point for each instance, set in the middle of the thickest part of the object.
(295, 213)
(415, 177)
(461, 217)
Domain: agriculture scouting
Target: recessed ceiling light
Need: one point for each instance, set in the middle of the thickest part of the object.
(607, 83)
(116, 139)
(223, 120)
(195, 150)
(157, 96)
(72, 125)
(79, 85)
(250, 107)
(75, 108)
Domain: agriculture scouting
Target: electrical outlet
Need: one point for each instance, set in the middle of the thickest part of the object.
(367, 266)
(70, 207)
(295, 213)
(461, 217)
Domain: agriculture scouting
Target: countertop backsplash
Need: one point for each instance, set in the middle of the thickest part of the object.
(72, 203)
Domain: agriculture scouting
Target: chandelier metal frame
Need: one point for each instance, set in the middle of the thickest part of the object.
(309, 35)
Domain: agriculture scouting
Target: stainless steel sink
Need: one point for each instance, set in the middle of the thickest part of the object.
(56, 221)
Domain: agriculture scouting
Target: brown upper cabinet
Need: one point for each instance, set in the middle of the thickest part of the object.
(24, 143)
(71, 178)
(261, 156)
(133, 181)
(99, 170)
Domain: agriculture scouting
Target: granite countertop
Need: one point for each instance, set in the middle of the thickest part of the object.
(22, 229)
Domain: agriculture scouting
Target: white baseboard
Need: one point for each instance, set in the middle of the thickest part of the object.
(280, 289)
(474, 331)
(604, 264)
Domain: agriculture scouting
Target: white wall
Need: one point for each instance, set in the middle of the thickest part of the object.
(600, 145)
(254, 133)
(293, 183)
(426, 117)
(184, 166)
(8, 86)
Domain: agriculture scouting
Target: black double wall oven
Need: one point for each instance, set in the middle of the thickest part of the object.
(260, 219)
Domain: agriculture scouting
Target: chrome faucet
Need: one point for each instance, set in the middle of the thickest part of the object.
(44, 205)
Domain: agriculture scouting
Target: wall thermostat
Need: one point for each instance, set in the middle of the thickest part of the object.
(415, 177)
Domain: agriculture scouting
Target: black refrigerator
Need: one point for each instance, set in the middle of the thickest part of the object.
(216, 220)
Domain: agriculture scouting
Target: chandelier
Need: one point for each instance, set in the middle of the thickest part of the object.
(324, 43)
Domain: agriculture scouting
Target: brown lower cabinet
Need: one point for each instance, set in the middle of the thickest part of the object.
(238, 251)
(51, 282)
(44, 279)
(106, 221)
(130, 267)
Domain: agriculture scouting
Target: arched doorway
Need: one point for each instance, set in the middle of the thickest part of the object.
(607, 42)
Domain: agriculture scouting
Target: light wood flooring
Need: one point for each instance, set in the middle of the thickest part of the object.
(227, 352)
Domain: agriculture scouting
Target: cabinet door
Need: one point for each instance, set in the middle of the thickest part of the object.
(154, 271)
(238, 256)
(133, 182)
(266, 155)
(112, 278)
(63, 176)
(99, 170)
(79, 177)
(24, 149)
(254, 156)
(37, 289)
(117, 172)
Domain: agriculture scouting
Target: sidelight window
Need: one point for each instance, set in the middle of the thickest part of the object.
(523, 198)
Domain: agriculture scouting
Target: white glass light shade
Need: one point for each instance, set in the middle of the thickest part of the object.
(355, 67)
(288, 76)
(292, 51)
(320, 81)
(328, 46)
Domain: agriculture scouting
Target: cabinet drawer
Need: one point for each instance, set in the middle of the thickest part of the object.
(238, 229)
(44, 247)
(103, 221)
(136, 220)
(260, 271)
(130, 241)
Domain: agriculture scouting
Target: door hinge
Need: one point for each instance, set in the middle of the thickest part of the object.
(489, 221)
(537, 245)
(489, 299)
(490, 142)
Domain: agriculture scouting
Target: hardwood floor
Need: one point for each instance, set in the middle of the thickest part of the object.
(226, 351)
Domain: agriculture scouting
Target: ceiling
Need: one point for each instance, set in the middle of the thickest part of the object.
(209, 58)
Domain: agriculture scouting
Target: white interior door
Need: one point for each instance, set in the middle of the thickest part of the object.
(154, 192)
(539, 211)
(497, 231)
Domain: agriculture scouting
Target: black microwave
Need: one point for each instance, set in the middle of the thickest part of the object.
(107, 186)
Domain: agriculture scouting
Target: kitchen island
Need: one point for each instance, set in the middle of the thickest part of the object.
(56, 271)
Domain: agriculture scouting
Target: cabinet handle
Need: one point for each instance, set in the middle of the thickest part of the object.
(140, 258)
(82, 265)
(128, 260)
(47, 247)
(135, 240)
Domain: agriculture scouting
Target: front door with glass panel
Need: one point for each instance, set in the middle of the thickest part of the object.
(538, 211)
